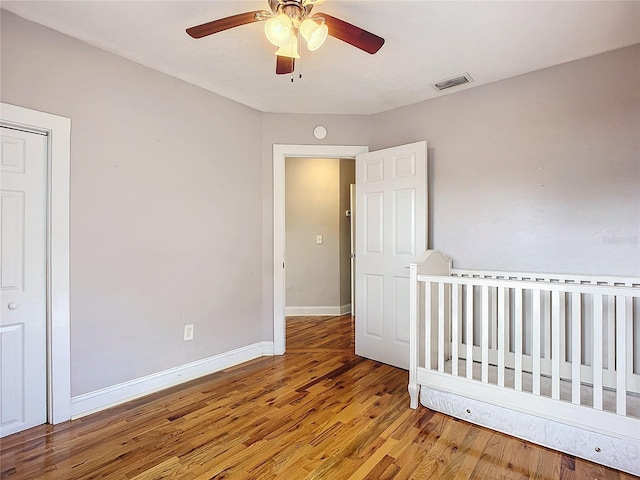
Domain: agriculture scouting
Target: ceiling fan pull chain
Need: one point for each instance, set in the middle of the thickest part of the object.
(293, 74)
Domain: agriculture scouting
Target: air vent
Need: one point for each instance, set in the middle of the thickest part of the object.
(452, 82)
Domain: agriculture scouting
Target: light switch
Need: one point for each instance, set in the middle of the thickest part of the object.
(318, 239)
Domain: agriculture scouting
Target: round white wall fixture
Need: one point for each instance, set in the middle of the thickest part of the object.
(319, 132)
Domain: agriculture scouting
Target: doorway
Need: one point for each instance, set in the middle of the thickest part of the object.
(317, 236)
(280, 153)
(56, 131)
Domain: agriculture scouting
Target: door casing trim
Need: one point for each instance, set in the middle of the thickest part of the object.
(280, 153)
(58, 132)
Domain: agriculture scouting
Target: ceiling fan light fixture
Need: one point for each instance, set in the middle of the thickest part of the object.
(290, 50)
(278, 30)
(314, 34)
(289, 20)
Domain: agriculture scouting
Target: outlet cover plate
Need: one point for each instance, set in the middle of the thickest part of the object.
(188, 332)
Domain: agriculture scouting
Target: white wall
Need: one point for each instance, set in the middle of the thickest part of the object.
(165, 206)
(539, 172)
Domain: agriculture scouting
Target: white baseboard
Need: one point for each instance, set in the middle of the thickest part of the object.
(267, 349)
(318, 310)
(104, 398)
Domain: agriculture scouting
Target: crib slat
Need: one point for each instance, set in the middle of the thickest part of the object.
(546, 323)
(493, 329)
(441, 308)
(631, 339)
(576, 346)
(597, 351)
(503, 305)
(485, 334)
(623, 316)
(456, 306)
(535, 334)
(517, 333)
(556, 304)
(469, 327)
(563, 327)
(427, 320)
(508, 331)
(611, 333)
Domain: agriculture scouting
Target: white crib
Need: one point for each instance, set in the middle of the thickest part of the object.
(552, 359)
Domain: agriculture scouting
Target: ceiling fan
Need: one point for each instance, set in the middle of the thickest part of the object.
(287, 22)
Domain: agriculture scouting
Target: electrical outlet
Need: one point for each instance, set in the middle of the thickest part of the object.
(188, 332)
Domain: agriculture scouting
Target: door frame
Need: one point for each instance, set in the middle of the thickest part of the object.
(352, 244)
(58, 132)
(280, 153)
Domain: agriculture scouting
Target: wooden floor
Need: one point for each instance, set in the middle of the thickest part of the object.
(317, 412)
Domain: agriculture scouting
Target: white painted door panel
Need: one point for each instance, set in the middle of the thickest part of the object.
(23, 346)
(391, 233)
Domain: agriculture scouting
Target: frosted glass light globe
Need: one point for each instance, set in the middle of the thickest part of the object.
(290, 50)
(314, 34)
(278, 30)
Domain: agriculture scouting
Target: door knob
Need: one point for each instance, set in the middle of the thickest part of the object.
(12, 306)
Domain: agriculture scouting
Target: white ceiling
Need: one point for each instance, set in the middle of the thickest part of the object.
(426, 41)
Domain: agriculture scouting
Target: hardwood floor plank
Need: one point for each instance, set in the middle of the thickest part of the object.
(548, 465)
(318, 412)
(372, 460)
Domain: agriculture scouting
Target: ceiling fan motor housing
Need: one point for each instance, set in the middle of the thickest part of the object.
(292, 8)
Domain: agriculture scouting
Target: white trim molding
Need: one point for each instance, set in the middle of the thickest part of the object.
(332, 311)
(280, 153)
(58, 132)
(104, 398)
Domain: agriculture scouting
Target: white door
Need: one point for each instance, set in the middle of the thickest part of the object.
(23, 346)
(391, 233)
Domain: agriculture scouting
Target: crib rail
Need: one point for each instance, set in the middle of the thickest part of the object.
(569, 340)
(610, 280)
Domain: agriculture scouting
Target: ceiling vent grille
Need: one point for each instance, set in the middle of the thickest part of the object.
(452, 82)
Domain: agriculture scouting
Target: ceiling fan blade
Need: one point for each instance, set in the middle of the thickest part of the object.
(351, 34)
(226, 23)
(285, 65)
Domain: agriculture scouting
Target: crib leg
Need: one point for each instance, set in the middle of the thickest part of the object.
(414, 392)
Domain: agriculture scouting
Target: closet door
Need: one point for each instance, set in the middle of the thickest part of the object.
(23, 336)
